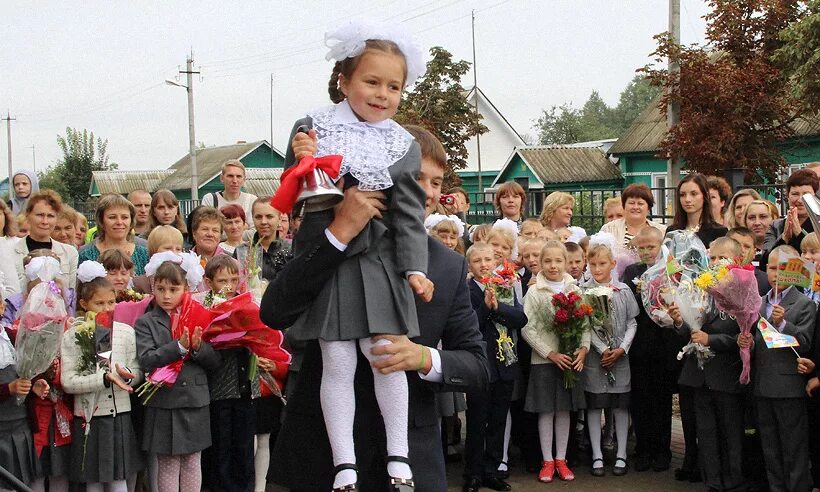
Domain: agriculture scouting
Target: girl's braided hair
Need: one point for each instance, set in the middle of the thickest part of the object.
(347, 66)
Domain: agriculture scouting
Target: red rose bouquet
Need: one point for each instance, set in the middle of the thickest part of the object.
(570, 321)
(502, 281)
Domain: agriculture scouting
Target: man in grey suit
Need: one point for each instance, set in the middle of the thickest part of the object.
(302, 459)
(778, 388)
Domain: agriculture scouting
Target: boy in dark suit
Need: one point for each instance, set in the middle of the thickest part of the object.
(487, 410)
(779, 389)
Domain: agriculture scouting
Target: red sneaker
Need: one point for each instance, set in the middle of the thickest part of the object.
(547, 471)
(564, 473)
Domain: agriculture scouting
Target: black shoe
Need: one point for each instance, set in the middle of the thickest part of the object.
(401, 484)
(597, 472)
(620, 471)
(659, 464)
(495, 483)
(472, 484)
(682, 474)
(642, 463)
(503, 474)
(353, 487)
(694, 476)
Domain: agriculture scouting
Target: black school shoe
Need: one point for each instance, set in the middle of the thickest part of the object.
(495, 483)
(659, 464)
(472, 484)
(643, 463)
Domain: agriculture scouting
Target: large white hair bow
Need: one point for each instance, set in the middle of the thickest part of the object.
(89, 270)
(189, 262)
(433, 220)
(45, 268)
(512, 227)
(348, 41)
(604, 238)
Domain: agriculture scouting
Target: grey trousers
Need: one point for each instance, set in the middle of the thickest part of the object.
(720, 438)
(784, 432)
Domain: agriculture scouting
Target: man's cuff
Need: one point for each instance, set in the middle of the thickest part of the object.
(335, 242)
(414, 272)
(435, 375)
(781, 325)
(182, 350)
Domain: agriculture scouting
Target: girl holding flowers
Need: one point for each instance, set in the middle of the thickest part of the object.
(606, 372)
(100, 369)
(558, 331)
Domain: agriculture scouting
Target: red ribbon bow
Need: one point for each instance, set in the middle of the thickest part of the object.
(288, 191)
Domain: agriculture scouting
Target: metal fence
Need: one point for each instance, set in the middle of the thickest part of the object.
(589, 204)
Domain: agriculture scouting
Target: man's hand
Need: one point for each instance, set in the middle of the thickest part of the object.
(812, 385)
(354, 212)
(400, 354)
(422, 287)
(304, 144)
(805, 366)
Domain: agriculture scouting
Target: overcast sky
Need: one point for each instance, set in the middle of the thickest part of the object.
(101, 65)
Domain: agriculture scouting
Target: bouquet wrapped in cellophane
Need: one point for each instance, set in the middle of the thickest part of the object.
(600, 299)
(502, 282)
(40, 329)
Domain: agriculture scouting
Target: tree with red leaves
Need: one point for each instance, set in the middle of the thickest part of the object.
(735, 103)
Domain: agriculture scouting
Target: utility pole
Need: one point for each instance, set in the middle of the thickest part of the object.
(189, 71)
(8, 119)
(271, 117)
(475, 94)
(673, 112)
(33, 159)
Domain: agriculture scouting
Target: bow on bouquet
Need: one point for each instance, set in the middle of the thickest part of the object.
(567, 317)
(600, 299)
(229, 324)
(733, 287)
(502, 283)
(40, 331)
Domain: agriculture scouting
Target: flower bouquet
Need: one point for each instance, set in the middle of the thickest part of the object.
(733, 287)
(254, 282)
(600, 299)
(502, 283)
(129, 312)
(40, 331)
(567, 316)
(129, 295)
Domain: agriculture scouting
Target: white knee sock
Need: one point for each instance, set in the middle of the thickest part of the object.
(261, 461)
(561, 434)
(507, 429)
(38, 485)
(391, 394)
(545, 422)
(117, 486)
(94, 487)
(594, 426)
(621, 430)
(339, 403)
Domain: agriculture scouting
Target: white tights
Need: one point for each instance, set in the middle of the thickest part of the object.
(55, 484)
(261, 461)
(115, 486)
(560, 420)
(621, 416)
(338, 399)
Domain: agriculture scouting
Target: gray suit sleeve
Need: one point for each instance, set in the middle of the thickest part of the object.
(407, 209)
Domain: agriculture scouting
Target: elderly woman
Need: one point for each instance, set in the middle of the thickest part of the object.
(792, 228)
(510, 202)
(758, 216)
(272, 253)
(165, 211)
(637, 201)
(206, 231)
(41, 212)
(737, 205)
(557, 214)
(115, 229)
(24, 183)
(65, 229)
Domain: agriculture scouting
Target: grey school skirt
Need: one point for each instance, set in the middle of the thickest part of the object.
(17, 451)
(176, 431)
(111, 450)
(546, 392)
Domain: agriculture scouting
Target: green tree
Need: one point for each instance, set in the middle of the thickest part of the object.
(633, 100)
(82, 154)
(559, 125)
(799, 58)
(437, 103)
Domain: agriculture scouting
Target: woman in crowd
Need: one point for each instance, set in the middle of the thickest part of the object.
(115, 225)
(719, 191)
(692, 211)
(637, 201)
(65, 229)
(206, 231)
(41, 212)
(758, 216)
(24, 184)
(557, 214)
(233, 223)
(270, 253)
(737, 205)
(510, 202)
(792, 228)
(165, 211)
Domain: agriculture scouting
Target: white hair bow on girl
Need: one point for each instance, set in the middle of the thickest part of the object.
(433, 220)
(512, 227)
(190, 262)
(604, 238)
(89, 270)
(348, 41)
(45, 268)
